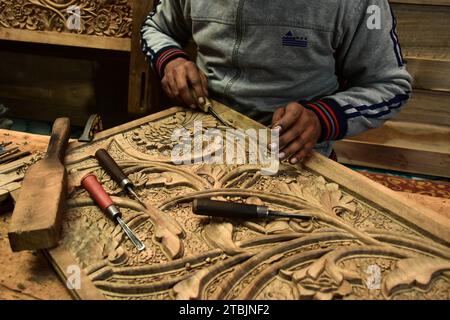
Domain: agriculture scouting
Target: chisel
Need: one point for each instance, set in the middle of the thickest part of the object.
(103, 200)
(206, 106)
(7, 152)
(224, 209)
(113, 169)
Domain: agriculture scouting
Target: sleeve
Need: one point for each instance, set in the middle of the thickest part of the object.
(164, 33)
(370, 63)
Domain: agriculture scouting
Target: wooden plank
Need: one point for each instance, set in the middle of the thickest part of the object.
(423, 2)
(425, 40)
(426, 107)
(440, 205)
(365, 154)
(432, 138)
(423, 26)
(429, 74)
(143, 90)
(66, 39)
(427, 53)
(403, 146)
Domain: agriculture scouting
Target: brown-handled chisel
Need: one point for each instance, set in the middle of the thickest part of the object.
(103, 200)
(207, 107)
(113, 169)
(224, 209)
(37, 217)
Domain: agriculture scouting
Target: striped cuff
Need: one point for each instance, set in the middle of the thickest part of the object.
(165, 55)
(331, 116)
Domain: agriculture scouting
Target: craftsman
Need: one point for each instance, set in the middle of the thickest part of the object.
(316, 70)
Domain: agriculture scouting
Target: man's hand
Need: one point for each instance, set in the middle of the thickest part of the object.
(299, 131)
(180, 76)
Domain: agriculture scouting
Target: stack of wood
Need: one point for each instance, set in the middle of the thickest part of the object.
(417, 140)
(21, 150)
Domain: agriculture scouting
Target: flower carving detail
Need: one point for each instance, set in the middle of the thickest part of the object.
(322, 280)
(112, 18)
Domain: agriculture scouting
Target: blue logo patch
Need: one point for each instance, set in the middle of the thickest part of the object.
(290, 40)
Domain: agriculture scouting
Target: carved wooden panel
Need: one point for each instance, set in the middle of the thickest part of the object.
(352, 248)
(110, 18)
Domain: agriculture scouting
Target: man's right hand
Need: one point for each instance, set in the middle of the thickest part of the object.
(180, 76)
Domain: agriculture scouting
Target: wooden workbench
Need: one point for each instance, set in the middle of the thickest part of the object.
(25, 275)
(28, 275)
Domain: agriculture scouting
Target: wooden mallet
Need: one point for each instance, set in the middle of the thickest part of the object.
(37, 217)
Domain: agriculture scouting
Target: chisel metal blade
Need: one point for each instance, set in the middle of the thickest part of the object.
(134, 194)
(137, 243)
(207, 107)
(217, 116)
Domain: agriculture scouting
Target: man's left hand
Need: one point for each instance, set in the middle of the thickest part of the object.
(300, 130)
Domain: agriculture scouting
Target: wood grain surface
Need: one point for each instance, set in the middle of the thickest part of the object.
(27, 275)
(187, 257)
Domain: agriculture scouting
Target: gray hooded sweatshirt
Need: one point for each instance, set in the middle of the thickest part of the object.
(339, 58)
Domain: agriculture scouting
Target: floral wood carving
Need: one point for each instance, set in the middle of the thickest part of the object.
(347, 250)
(111, 18)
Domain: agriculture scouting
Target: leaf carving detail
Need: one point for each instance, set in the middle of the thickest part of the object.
(413, 272)
(220, 234)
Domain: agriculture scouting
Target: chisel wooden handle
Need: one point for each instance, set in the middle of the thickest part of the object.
(95, 189)
(59, 139)
(111, 166)
(228, 209)
(113, 169)
(204, 106)
(99, 195)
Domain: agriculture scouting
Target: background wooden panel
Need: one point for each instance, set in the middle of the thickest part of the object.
(403, 146)
(143, 95)
(410, 135)
(427, 107)
(100, 50)
(422, 26)
(426, 2)
(417, 139)
(102, 24)
(424, 33)
(39, 87)
(66, 39)
(385, 156)
(430, 74)
(42, 82)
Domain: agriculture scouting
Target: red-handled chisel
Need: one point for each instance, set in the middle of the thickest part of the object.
(103, 200)
(113, 169)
